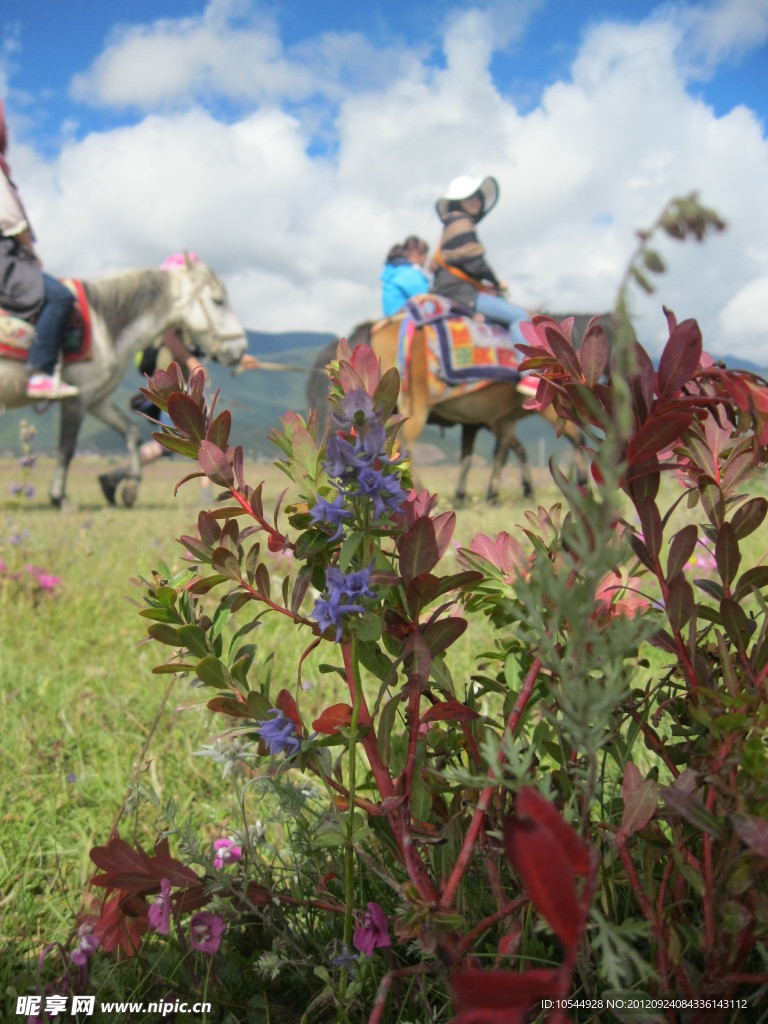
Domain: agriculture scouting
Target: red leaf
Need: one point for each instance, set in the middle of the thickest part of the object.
(218, 432)
(215, 465)
(418, 549)
(449, 711)
(475, 989)
(121, 924)
(333, 718)
(752, 831)
(546, 874)
(440, 634)
(593, 355)
(532, 804)
(285, 702)
(680, 358)
(187, 415)
(657, 434)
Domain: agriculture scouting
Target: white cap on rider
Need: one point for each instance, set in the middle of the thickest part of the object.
(464, 187)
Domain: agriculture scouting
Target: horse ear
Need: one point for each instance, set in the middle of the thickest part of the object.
(187, 260)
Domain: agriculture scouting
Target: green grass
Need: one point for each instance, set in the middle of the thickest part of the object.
(78, 698)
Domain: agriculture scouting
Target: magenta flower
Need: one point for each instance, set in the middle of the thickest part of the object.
(205, 931)
(86, 946)
(225, 852)
(373, 932)
(160, 912)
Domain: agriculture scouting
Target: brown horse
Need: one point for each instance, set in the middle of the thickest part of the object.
(498, 406)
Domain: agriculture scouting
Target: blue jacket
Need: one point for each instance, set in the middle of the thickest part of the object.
(400, 281)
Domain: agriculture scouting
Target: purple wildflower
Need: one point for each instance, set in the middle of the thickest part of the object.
(356, 409)
(86, 946)
(373, 933)
(160, 912)
(279, 734)
(331, 512)
(205, 931)
(386, 492)
(345, 960)
(16, 488)
(344, 594)
(29, 491)
(225, 852)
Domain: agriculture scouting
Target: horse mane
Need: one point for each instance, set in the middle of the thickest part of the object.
(120, 298)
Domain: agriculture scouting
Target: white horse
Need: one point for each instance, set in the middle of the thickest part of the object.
(127, 311)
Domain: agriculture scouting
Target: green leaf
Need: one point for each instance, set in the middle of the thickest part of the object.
(192, 637)
(213, 672)
(680, 603)
(680, 550)
(748, 517)
(727, 555)
(226, 563)
(165, 634)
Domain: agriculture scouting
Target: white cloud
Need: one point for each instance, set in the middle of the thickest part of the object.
(300, 237)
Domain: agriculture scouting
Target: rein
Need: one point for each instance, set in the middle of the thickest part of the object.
(440, 261)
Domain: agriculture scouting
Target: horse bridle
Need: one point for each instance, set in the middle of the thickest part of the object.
(197, 296)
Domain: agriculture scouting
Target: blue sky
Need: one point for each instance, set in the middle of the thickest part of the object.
(252, 133)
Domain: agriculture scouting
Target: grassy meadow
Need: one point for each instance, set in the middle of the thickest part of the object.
(78, 698)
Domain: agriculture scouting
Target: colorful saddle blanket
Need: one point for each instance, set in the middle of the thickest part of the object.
(16, 334)
(462, 350)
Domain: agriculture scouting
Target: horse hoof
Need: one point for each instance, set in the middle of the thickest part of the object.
(130, 494)
(108, 487)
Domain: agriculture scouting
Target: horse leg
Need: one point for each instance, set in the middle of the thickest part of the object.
(70, 418)
(468, 437)
(506, 440)
(111, 416)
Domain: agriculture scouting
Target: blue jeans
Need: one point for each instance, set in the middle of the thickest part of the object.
(493, 307)
(51, 326)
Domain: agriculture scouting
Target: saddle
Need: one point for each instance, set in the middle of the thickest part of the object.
(462, 350)
(16, 334)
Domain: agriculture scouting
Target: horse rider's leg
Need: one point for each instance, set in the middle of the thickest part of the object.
(468, 437)
(111, 416)
(578, 440)
(70, 418)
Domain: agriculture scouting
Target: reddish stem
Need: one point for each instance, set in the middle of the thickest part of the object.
(475, 826)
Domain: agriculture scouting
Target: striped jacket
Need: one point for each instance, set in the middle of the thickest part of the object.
(461, 249)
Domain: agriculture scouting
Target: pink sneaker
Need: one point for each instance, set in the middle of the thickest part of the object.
(40, 385)
(528, 386)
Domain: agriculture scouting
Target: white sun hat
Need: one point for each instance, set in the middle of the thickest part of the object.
(465, 187)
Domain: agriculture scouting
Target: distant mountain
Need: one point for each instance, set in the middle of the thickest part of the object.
(256, 399)
(259, 398)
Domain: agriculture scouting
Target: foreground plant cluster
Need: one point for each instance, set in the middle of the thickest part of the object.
(584, 819)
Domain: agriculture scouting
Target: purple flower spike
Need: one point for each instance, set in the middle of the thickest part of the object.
(160, 912)
(279, 734)
(205, 931)
(373, 933)
(225, 852)
(86, 946)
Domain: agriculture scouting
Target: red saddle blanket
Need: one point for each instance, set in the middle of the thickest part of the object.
(16, 334)
(462, 352)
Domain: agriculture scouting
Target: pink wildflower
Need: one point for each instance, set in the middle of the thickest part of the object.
(225, 852)
(373, 932)
(205, 931)
(86, 946)
(159, 914)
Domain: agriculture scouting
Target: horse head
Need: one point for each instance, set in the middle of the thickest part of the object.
(205, 314)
